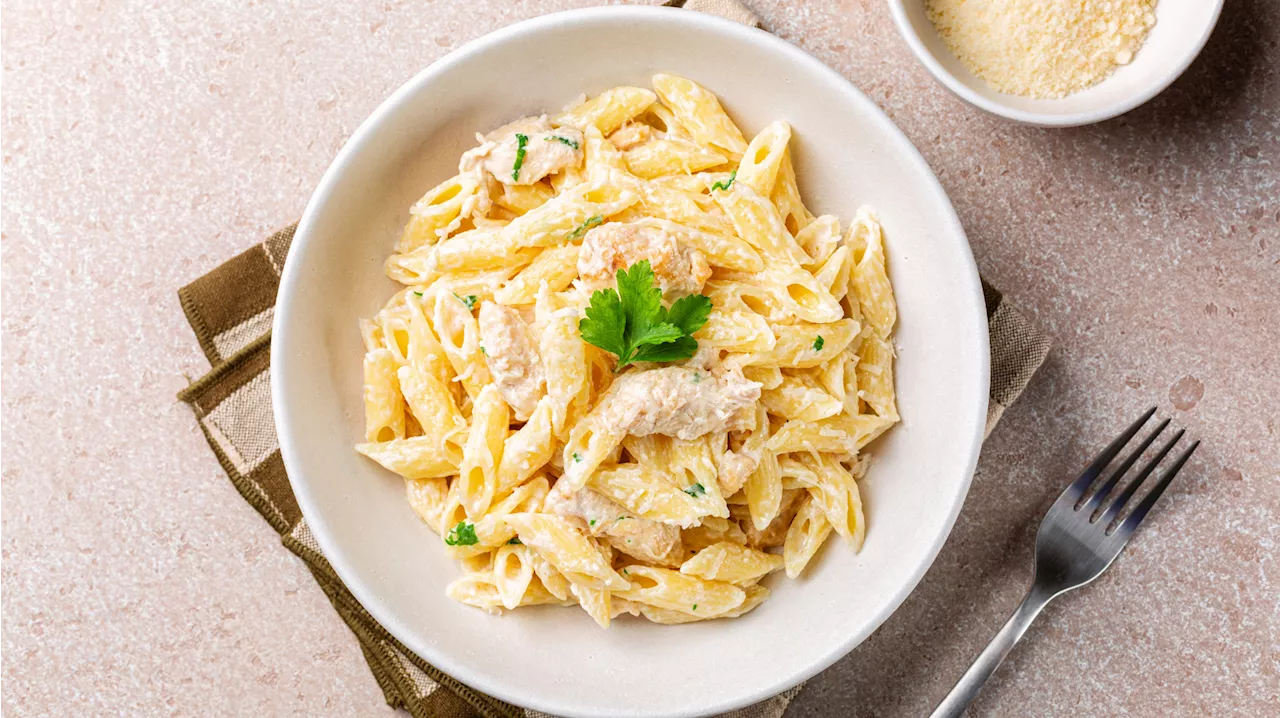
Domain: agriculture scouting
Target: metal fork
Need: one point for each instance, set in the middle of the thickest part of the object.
(1077, 541)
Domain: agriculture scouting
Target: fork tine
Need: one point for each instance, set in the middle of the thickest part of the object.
(1077, 488)
(1153, 496)
(1118, 505)
(1101, 494)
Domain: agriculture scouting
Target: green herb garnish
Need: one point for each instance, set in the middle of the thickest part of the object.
(562, 140)
(418, 293)
(464, 534)
(726, 185)
(515, 541)
(521, 141)
(696, 490)
(632, 323)
(577, 456)
(818, 343)
(582, 228)
(695, 606)
(469, 300)
(592, 522)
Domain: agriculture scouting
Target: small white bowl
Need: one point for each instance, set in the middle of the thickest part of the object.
(556, 660)
(1181, 30)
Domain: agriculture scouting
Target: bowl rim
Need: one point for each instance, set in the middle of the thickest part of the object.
(897, 9)
(292, 447)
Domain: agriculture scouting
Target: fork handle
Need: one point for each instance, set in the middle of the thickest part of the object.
(966, 689)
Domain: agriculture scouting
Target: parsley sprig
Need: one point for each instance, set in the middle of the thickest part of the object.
(521, 141)
(469, 300)
(632, 323)
(562, 140)
(726, 185)
(582, 228)
(463, 534)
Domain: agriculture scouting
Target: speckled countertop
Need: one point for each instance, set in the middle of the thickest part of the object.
(145, 142)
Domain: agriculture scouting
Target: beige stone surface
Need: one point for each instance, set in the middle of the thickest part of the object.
(145, 142)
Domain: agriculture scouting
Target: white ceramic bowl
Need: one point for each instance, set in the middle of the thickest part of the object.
(556, 659)
(1181, 30)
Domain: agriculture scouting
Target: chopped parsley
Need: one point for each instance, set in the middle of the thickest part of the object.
(521, 141)
(592, 522)
(483, 350)
(697, 378)
(695, 606)
(632, 323)
(469, 300)
(726, 185)
(577, 456)
(515, 541)
(696, 490)
(464, 534)
(582, 228)
(818, 343)
(418, 293)
(562, 140)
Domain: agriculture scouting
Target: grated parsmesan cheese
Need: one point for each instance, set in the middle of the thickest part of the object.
(1042, 48)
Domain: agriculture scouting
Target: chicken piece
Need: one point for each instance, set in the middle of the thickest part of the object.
(543, 151)
(630, 135)
(618, 245)
(512, 357)
(775, 534)
(735, 467)
(640, 538)
(684, 402)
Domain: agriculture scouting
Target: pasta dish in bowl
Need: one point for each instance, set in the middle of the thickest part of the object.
(591, 446)
(690, 333)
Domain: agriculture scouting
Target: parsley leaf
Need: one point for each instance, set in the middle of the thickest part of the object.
(817, 343)
(726, 185)
(521, 141)
(577, 457)
(464, 534)
(592, 522)
(469, 300)
(696, 490)
(515, 541)
(632, 323)
(582, 228)
(562, 140)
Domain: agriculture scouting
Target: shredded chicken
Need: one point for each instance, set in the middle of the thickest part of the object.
(598, 516)
(680, 401)
(735, 467)
(546, 151)
(630, 135)
(512, 357)
(618, 245)
(775, 534)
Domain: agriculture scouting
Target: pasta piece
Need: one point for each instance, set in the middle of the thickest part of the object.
(424, 352)
(553, 268)
(731, 562)
(481, 590)
(763, 157)
(660, 157)
(651, 450)
(770, 377)
(590, 443)
(630, 135)
(736, 331)
(647, 493)
(521, 198)
(383, 406)
(528, 449)
(843, 434)
(691, 465)
(798, 346)
(775, 533)
(764, 485)
(800, 294)
(427, 499)
(819, 239)
(833, 275)
(554, 581)
(870, 281)
(802, 400)
(875, 376)
(477, 249)
(418, 457)
(460, 339)
(712, 531)
(808, 532)
(786, 197)
(757, 221)
(607, 111)
(431, 404)
(571, 553)
(699, 112)
(756, 595)
(675, 591)
(433, 216)
(512, 574)
(567, 217)
(478, 472)
(836, 494)
(564, 359)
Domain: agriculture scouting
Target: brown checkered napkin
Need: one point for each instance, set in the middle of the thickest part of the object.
(231, 308)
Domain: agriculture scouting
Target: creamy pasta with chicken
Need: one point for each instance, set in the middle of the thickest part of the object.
(629, 370)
